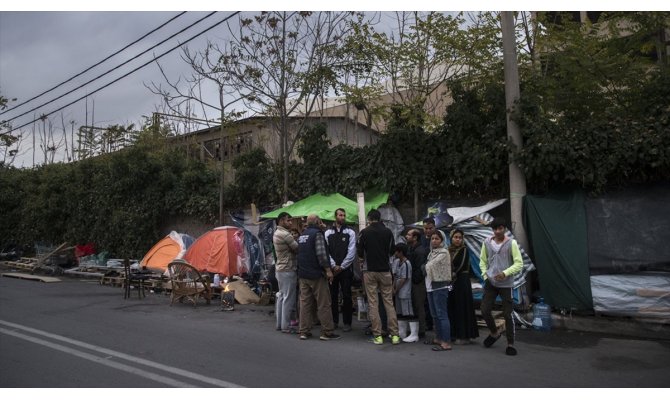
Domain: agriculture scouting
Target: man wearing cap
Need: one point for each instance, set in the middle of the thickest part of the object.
(286, 250)
(314, 274)
(499, 260)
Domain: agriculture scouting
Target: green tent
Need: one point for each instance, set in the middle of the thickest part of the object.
(324, 206)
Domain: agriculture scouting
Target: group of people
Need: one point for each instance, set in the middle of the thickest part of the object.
(418, 285)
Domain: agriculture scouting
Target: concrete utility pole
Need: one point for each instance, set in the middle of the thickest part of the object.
(517, 179)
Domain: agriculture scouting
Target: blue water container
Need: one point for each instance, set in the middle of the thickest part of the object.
(542, 316)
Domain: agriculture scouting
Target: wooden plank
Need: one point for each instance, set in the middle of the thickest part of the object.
(46, 279)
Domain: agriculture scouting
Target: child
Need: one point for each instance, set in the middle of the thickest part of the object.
(402, 290)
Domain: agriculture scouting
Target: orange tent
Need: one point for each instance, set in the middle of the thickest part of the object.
(167, 249)
(219, 251)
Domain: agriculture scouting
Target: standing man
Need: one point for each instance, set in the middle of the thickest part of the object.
(428, 230)
(341, 241)
(499, 261)
(286, 249)
(376, 246)
(314, 274)
(417, 255)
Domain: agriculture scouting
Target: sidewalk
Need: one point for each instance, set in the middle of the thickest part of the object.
(624, 326)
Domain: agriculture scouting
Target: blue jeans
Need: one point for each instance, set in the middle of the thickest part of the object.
(288, 287)
(437, 301)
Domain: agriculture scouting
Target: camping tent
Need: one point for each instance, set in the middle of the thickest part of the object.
(172, 246)
(324, 206)
(220, 251)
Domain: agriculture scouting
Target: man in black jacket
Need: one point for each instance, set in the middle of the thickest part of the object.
(341, 241)
(376, 246)
(417, 255)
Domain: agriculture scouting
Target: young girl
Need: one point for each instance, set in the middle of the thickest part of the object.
(438, 279)
(402, 290)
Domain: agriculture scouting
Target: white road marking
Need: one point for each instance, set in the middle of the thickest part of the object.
(113, 364)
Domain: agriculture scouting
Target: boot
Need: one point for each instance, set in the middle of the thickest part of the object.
(414, 335)
(402, 328)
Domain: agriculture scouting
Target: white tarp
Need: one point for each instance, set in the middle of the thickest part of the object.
(637, 295)
(463, 213)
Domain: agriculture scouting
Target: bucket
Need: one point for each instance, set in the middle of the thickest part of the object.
(542, 316)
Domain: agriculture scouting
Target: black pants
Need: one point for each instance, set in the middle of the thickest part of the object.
(490, 294)
(342, 282)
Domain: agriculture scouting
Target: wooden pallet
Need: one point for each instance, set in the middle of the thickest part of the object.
(23, 263)
(112, 280)
(46, 279)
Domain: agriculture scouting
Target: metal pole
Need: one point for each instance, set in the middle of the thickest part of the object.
(517, 179)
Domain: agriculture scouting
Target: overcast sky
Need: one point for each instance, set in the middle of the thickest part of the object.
(39, 50)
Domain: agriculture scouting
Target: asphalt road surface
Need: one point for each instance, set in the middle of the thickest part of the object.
(79, 334)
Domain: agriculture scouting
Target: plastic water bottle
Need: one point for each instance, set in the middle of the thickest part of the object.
(217, 280)
(542, 316)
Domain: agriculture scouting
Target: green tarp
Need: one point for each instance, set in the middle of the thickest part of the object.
(324, 206)
(556, 226)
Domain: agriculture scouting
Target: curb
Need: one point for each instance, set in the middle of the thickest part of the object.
(624, 326)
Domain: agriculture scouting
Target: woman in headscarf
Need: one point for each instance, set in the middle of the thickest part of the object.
(461, 308)
(438, 280)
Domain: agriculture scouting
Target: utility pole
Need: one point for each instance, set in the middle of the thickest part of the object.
(517, 179)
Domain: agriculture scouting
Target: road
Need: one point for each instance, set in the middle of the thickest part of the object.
(77, 333)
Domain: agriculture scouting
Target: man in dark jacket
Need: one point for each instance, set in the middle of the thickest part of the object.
(376, 246)
(314, 273)
(341, 242)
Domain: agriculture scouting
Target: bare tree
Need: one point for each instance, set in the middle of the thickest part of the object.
(282, 63)
(187, 102)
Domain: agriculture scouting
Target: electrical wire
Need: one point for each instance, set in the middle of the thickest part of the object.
(131, 72)
(113, 69)
(94, 65)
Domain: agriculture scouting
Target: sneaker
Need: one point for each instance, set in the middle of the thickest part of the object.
(510, 351)
(377, 340)
(305, 336)
(347, 328)
(329, 336)
(395, 339)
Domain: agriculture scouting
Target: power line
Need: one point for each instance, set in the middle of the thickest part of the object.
(113, 69)
(131, 72)
(94, 65)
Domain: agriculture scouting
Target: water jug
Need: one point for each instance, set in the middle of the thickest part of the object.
(542, 316)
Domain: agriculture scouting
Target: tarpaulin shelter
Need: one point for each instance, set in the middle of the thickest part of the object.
(220, 251)
(607, 253)
(324, 206)
(171, 247)
(473, 221)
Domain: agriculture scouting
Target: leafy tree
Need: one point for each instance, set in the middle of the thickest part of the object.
(7, 139)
